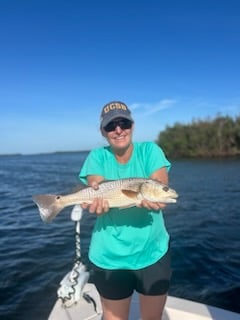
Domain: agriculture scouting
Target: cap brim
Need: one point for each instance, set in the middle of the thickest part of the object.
(106, 121)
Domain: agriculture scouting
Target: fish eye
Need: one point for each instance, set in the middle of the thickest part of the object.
(165, 188)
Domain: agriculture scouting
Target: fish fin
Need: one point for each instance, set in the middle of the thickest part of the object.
(106, 180)
(49, 206)
(130, 193)
(78, 187)
(133, 186)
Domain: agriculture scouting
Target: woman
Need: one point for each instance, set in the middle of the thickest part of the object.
(129, 248)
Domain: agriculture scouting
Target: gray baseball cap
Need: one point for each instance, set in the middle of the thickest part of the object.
(113, 110)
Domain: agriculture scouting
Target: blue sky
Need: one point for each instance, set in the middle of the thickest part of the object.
(61, 61)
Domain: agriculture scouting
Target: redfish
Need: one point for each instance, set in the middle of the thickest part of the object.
(123, 193)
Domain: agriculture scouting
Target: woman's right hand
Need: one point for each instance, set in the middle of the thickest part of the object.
(98, 206)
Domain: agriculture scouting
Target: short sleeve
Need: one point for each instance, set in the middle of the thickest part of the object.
(155, 158)
(93, 165)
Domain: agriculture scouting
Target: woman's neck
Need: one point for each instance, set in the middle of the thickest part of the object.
(123, 155)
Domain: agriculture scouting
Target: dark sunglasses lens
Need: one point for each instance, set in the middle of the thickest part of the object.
(110, 127)
(123, 124)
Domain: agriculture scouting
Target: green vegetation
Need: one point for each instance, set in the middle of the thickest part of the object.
(202, 138)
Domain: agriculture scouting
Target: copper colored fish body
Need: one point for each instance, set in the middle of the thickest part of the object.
(123, 193)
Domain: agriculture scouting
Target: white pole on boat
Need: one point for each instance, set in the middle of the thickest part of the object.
(71, 287)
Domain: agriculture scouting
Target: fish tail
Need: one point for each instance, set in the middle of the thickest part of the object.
(49, 206)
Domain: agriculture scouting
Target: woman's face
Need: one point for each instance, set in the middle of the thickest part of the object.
(119, 133)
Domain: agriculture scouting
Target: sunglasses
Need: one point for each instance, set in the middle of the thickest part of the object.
(122, 123)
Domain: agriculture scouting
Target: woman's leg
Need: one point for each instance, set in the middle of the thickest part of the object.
(152, 306)
(116, 309)
(115, 288)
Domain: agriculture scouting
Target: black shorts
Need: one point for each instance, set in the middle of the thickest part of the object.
(119, 284)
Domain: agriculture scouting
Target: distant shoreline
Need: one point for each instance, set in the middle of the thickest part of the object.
(208, 157)
(42, 153)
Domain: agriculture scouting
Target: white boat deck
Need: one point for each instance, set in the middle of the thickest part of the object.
(175, 309)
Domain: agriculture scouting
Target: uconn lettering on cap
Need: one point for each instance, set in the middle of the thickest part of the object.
(114, 106)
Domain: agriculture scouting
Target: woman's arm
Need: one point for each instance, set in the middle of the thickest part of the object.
(160, 175)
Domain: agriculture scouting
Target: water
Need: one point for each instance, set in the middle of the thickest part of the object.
(34, 257)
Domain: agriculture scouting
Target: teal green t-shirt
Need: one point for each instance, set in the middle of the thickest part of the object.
(131, 238)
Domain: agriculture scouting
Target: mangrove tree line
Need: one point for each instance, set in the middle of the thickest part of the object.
(219, 137)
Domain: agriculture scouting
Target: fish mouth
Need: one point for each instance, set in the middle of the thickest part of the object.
(172, 198)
